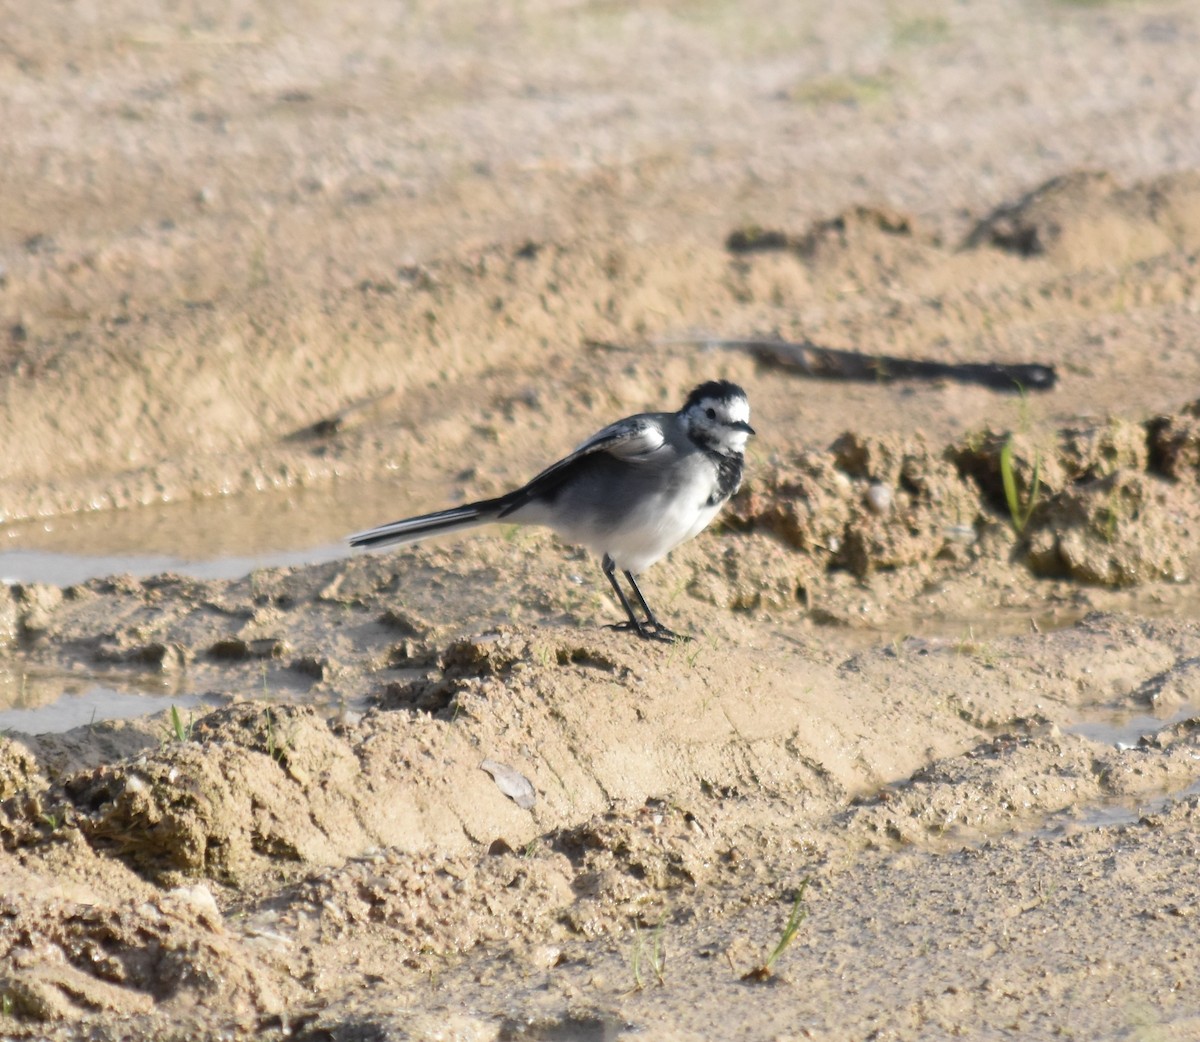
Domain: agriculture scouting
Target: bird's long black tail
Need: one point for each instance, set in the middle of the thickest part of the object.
(412, 529)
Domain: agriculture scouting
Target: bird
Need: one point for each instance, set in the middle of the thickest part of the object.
(630, 493)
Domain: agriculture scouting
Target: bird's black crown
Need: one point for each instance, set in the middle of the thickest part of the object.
(719, 389)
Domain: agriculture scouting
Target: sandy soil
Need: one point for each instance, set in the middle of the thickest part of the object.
(270, 274)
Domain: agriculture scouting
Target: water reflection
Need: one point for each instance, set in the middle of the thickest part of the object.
(94, 704)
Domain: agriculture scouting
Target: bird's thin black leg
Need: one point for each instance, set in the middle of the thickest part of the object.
(609, 566)
(651, 629)
(660, 631)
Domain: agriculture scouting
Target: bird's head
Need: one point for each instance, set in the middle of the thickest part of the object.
(717, 416)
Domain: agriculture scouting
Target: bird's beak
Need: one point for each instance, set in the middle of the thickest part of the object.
(742, 425)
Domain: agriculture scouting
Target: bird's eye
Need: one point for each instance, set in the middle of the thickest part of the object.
(711, 413)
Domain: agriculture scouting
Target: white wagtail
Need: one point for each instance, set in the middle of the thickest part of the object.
(631, 493)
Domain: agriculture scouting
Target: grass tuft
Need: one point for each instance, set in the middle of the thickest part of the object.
(1020, 511)
(791, 928)
(180, 731)
(656, 957)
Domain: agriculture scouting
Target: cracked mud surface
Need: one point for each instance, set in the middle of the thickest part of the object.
(267, 280)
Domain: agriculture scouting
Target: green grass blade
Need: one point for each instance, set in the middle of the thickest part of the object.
(799, 914)
(1010, 485)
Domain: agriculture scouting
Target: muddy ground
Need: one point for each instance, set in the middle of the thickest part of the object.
(271, 274)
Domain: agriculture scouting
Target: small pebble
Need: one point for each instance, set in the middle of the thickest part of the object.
(879, 498)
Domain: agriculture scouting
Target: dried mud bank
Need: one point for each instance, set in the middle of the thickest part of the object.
(1114, 505)
(269, 868)
(272, 867)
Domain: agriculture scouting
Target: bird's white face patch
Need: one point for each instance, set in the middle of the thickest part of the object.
(737, 410)
(722, 423)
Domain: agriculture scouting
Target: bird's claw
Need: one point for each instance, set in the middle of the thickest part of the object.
(651, 631)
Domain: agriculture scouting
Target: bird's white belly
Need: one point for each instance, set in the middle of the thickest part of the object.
(652, 527)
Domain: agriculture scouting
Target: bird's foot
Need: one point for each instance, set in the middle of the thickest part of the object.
(651, 631)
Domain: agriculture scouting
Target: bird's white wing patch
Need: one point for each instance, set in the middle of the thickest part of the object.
(636, 436)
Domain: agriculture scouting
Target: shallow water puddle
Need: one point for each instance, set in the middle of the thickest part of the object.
(1123, 729)
(45, 701)
(1120, 810)
(49, 702)
(224, 537)
(66, 569)
(217, 537)
(93, 705)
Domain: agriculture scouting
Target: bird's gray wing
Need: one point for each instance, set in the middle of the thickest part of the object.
(632, 440)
